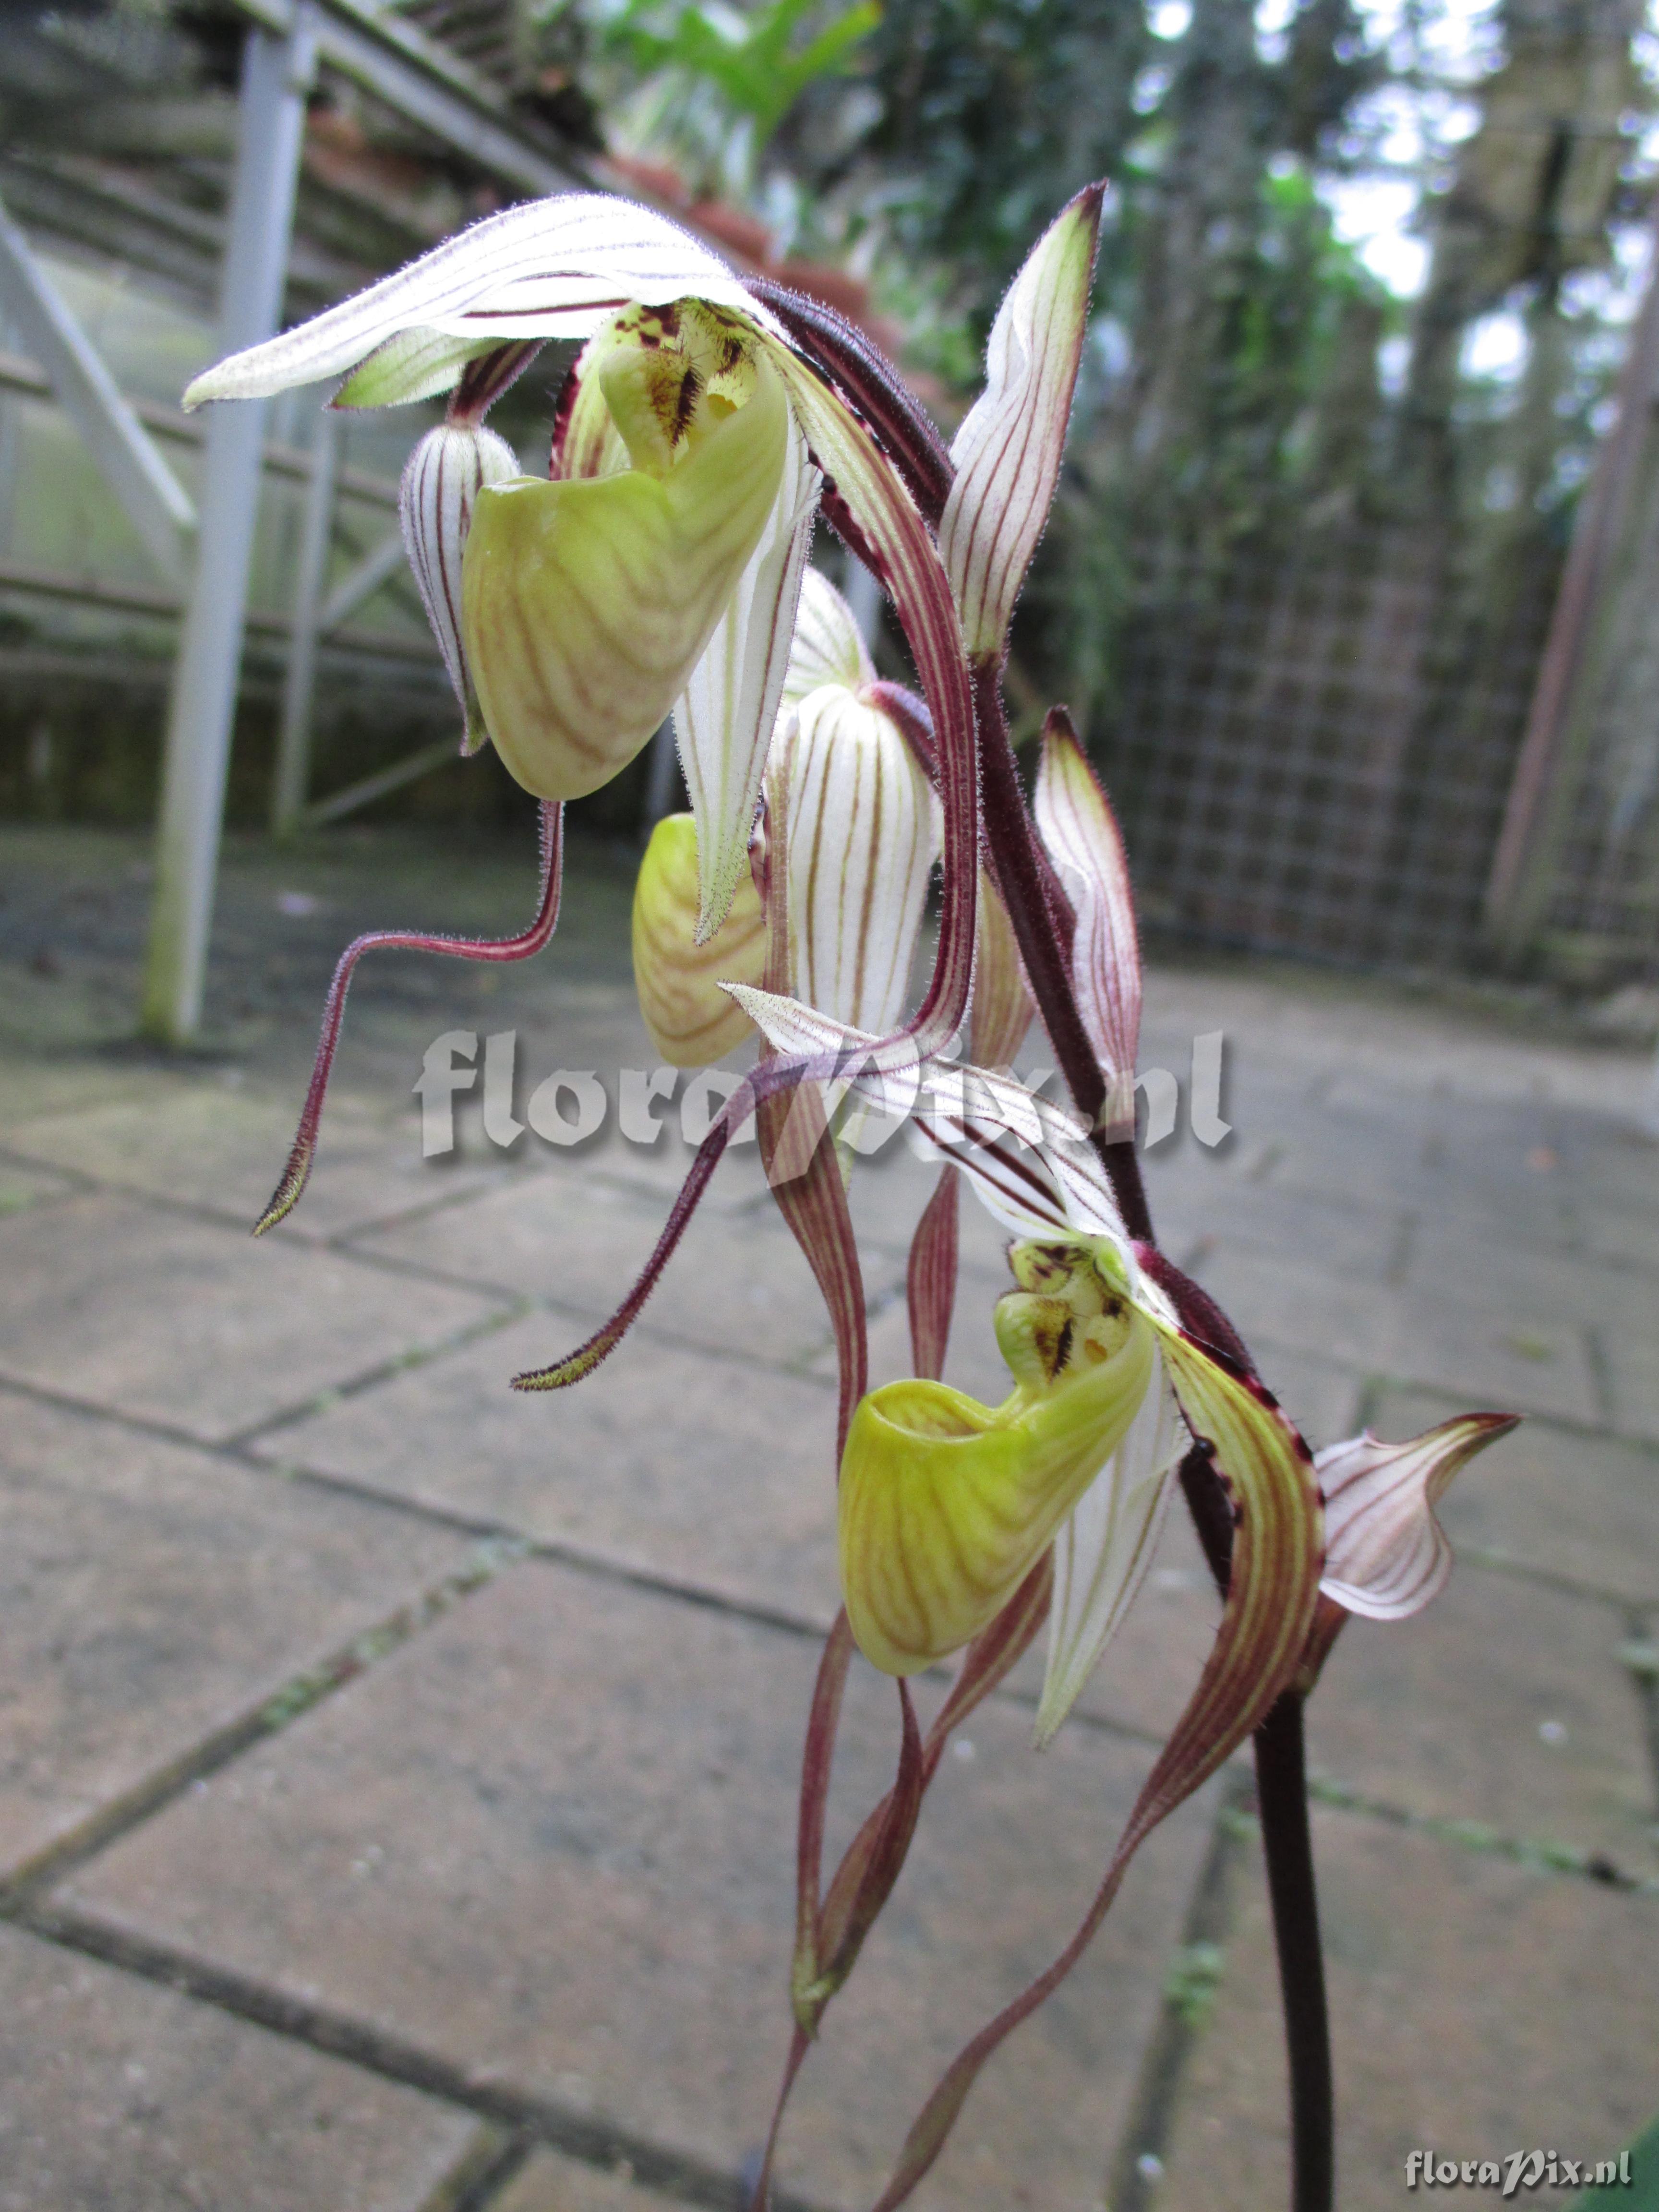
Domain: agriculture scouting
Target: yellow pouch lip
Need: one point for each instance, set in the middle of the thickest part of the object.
(587, 601)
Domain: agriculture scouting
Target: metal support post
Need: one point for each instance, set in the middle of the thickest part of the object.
(155, 501)
(293, 779)
(277, 74)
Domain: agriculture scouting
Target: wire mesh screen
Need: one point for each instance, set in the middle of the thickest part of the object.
(1312, 756)
(1603, 907)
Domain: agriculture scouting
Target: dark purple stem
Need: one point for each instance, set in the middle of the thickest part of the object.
(1281, 1786)
(1011, 843)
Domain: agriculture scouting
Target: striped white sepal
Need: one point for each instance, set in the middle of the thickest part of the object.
(1076, 825)
(1385, 1553)
(861, 845)
(827, 647)
(723, 719)
(1103, 1551)
(551, 268)
(1007, 452)
(435, 501)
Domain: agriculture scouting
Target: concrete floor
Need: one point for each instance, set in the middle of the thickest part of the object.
(397, 1776)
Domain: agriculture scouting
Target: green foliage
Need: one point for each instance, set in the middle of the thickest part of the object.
(752, 63)
(993, 114)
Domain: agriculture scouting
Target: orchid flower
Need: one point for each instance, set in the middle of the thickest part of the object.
(658, 565)
(852, 806)
(660, 568)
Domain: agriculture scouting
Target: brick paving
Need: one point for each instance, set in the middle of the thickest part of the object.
(396, 1775)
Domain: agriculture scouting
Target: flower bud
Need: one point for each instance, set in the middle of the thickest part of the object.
(436, 501)
(691, 1020)
(861, 843)
(587, 602)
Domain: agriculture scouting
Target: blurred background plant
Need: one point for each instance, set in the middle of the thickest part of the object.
(1369, 273)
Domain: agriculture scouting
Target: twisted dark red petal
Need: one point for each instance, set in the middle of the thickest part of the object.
(297, 1173)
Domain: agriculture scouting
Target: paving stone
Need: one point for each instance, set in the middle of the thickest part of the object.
(150, 1595)
(193, 1324)
(22, 1185)
(737, 1282)
(1503, 1703)
(1627, 1234)
(1356, 1241)
(553, 1839)
(1633, 1371)
(117, 2096)
(702, 1470)
(550, 2182)
(1582, 1508)
(1426, 1335)
(1477, 2008)
(1524, 1285)
(33, 1085)
(214, 1146)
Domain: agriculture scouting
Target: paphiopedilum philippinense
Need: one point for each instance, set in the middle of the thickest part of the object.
(658, 566)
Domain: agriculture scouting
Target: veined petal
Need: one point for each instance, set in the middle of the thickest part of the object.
(553, 268)
(690, 1019)
(587, 603)
(1386, 1555)
(860, 829)
(1003, 1010)
(827, 647)
(908, 563)
(1277, 1556)
(965, 1106)
(1007, 452)
(1075, 820)
(436, 502)
(1103, 1551)
(723, 718)
(946, 1505)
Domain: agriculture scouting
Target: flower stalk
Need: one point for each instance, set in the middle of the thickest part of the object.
(661, 565)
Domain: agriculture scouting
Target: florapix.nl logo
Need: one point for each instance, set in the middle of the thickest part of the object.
(575, 1106)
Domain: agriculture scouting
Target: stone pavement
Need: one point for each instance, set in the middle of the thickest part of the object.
(397, 1776)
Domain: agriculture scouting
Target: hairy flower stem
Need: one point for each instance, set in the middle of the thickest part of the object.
(1013, 848)
(1281, 1784)
(1281, 1788)
(1281, 1778)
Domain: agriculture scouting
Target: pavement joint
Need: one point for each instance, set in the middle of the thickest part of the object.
(1138, 2165)
(119, 1815)
(338, 2034)
(383, 1370)
(496, 2156)
(1541, 1855)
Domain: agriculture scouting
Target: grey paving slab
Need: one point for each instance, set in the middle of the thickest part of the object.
(550, 2182)
(191, 1322)
(1564, 1504)
(1524, 1285)
(1427, 1335)
(1477, 2008)
(210, 1144)
(117, 2096)
(553, 1839)
(700, 1469)
(1631, 1357)
(151, 1595)
(1503, 1703)
(22, 1184)
(737, 1282)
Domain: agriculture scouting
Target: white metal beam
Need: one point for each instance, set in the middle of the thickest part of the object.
(154, 501)
(378, 566)
(277, 74)
(415, 76)
(293, 778)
